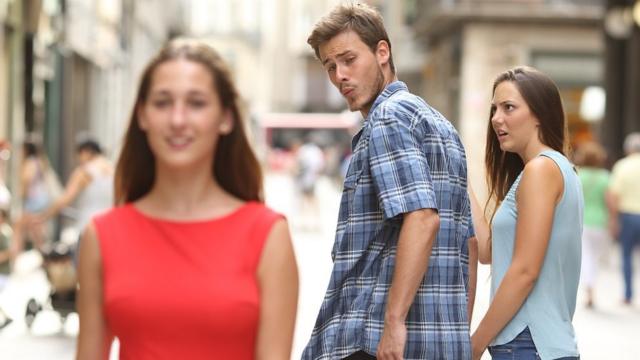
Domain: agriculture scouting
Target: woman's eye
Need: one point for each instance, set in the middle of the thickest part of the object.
(197, 103)
(161, 103)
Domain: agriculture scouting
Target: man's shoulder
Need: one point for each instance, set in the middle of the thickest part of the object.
(628, 162)
(404, 99)
(401, 106)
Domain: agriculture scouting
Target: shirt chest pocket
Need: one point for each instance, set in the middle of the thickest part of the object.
(351, 184)
(349, 192)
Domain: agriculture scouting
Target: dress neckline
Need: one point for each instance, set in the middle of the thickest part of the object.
(204, 221)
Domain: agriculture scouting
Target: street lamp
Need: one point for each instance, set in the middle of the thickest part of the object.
(618, 21)
(592, 104)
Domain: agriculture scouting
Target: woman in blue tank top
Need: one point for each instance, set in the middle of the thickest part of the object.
(533, 237)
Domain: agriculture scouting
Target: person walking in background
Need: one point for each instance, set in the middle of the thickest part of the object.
(6, 255)
(90, 185)
(310, 163)
(625, 190)
(533, 238)
(400, 282)
(590, 158)
(36, 195)
(309, 166)
(7, 249)
(191, 264)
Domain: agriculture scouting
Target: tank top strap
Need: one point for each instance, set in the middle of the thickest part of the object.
(262, 220)
(563, 163)
(572, 185)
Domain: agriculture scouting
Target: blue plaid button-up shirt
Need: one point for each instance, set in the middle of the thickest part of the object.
(406, 157)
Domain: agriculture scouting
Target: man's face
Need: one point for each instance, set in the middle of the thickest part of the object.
(354, 69)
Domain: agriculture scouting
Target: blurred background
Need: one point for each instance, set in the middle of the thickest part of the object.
(70, 67)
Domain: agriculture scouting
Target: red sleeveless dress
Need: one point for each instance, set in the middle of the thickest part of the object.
(183, 290)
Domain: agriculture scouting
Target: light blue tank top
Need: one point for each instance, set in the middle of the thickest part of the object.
(549, 308)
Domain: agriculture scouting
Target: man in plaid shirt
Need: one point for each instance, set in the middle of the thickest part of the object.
(400, 285)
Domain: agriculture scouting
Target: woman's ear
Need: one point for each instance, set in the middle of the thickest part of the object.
(227, 123)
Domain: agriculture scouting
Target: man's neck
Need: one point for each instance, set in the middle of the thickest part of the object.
(387, 80)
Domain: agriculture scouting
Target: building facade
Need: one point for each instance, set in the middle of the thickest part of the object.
(469, 42)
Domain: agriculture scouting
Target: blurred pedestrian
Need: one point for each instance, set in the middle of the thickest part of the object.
(90, 185)
(5, 194)
(191, 264)
(400, 279)
(533, 239)
(7, 250)
(625, 194)
(6, 255)
(37, 192)
(310, 163)
(590, 158)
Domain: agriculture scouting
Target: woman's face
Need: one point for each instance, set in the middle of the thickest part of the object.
(182, 116)
(515, 125)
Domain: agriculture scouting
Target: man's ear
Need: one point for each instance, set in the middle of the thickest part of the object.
(227, 123)
(383, 52)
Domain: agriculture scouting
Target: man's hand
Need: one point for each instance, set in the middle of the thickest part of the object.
(394, 337)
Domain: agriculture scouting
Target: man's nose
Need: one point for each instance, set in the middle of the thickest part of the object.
(341, 73)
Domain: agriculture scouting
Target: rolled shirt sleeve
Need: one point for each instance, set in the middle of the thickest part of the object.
(399, 169)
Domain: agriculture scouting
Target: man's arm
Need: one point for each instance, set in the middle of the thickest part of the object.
(417, 235)
(611, 200)
(473, 275)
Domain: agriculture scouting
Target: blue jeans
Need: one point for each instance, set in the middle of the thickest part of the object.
(520, 348)
(629, 238)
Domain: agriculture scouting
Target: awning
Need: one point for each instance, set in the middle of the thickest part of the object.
(309, 120)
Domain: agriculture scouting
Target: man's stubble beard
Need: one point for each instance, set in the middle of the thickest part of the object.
(376, 89)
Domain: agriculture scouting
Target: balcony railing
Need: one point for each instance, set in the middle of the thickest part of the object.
(433, 15)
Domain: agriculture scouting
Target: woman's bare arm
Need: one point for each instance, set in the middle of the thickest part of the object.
(93, 339)
(278, 280)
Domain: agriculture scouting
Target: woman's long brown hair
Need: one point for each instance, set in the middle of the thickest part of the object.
(543, 98)
(235, 166)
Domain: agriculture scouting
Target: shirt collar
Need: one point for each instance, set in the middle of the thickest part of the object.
(389, 90)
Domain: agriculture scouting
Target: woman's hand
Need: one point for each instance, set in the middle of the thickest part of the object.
(477, 349)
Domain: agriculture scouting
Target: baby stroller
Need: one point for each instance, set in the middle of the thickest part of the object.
(58, 264)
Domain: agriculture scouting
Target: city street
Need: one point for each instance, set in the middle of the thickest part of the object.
(83, 82)
(607, 332)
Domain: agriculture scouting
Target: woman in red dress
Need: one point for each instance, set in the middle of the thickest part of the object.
(190, 264)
